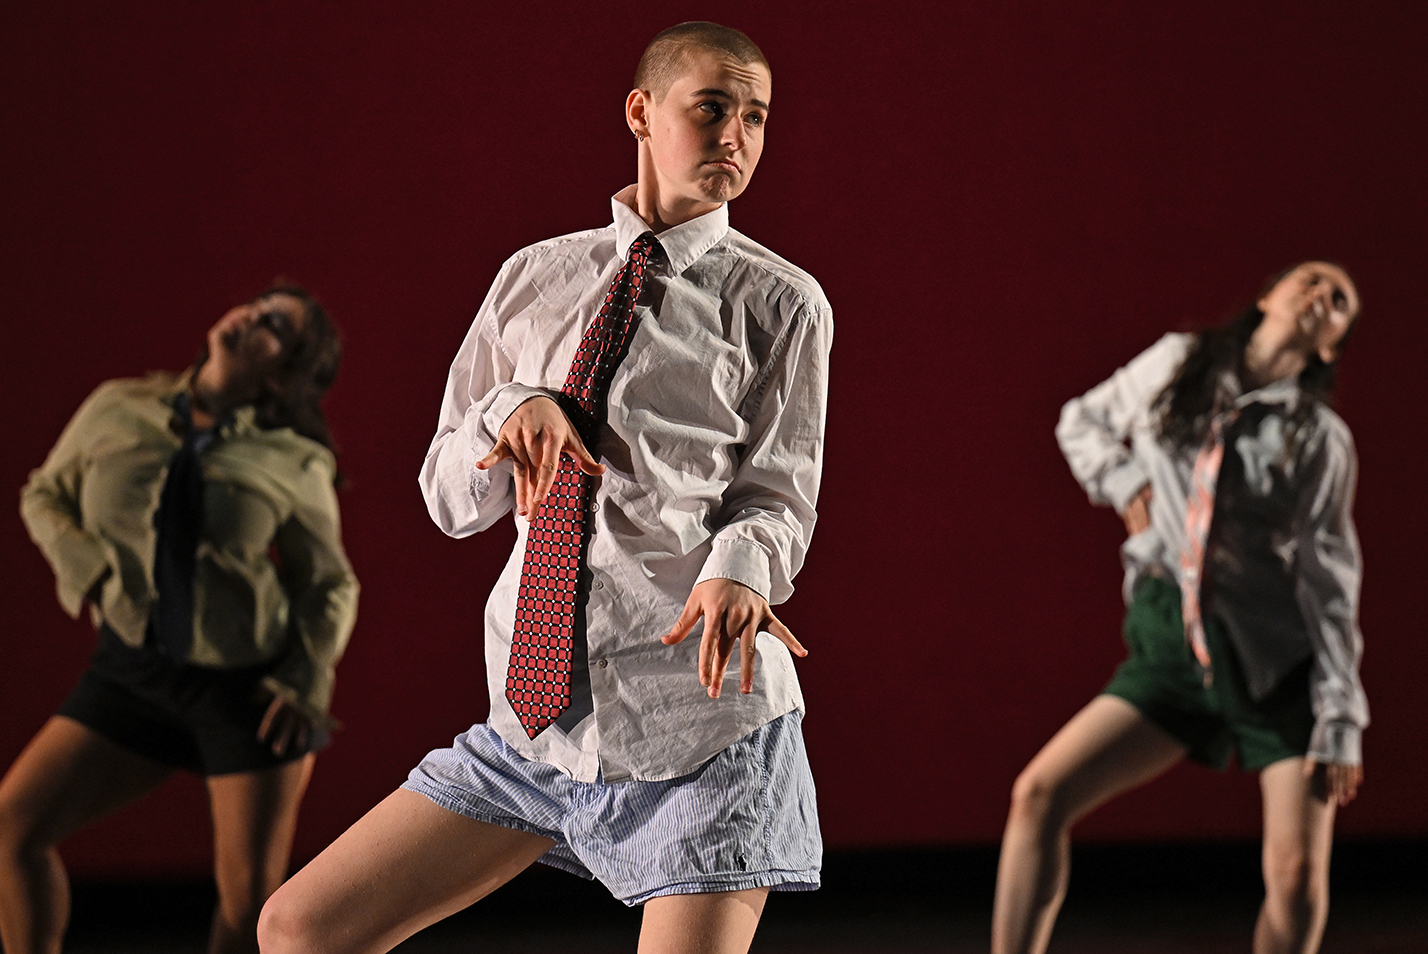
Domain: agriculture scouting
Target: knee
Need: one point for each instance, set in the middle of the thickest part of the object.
(281, 926)
(21, 836)
(1293, 878)
(1035, 799)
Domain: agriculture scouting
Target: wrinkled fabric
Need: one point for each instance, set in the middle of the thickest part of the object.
(713, 444)
(266, 493)
(1283, 568)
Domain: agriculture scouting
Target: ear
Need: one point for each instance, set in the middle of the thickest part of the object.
(637, 112)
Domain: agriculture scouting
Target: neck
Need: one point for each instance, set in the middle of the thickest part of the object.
(1269, 359)
(659, 212)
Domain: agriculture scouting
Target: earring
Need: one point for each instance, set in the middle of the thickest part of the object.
(638, 137)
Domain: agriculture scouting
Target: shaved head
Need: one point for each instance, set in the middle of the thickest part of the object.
(664, 58)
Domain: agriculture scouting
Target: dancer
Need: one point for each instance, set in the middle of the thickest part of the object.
(1243, 631)
(195, 515)
(668, 474)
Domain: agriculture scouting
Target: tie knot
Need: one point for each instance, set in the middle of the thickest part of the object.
(643, 246)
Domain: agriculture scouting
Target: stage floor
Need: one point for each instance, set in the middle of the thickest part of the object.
(1167, 899)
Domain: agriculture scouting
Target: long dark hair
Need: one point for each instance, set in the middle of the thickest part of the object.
(1187, 404)
(307, 372)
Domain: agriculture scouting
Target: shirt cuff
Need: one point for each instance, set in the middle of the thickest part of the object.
(83, 563)
(1122, 484)
(503, 405)
(742, 561)
(1336, 742)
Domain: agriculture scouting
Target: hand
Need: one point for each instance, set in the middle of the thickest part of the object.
(731, 611)
(284, 727)
(1338, 783)
(1137, 512)
(534, 437)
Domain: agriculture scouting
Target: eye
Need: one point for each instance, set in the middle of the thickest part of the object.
(754, 119)
(713, 108)
(277, 322)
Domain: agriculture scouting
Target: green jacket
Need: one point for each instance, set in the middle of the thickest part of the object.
(271, 583)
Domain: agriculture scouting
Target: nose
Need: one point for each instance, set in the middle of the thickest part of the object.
(733, 134)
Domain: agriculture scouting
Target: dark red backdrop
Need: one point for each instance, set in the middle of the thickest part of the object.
(1003, 204)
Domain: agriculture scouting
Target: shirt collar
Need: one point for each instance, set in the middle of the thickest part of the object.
(1284, 392)
(683, 244)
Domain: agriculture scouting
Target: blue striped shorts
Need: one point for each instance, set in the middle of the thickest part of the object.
(747, 818)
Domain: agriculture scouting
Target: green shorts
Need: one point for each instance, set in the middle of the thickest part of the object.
(1162, 679)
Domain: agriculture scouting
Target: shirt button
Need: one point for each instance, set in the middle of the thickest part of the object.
(604, 663)
(594, 506)
(599, 585)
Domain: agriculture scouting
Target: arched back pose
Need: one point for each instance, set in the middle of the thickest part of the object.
(1242, 629)
(195, 514)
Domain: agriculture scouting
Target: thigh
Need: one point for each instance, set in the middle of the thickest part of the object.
(1107, 748)
(721, 923)
(254, 819)
(1298, 819)
(406, 864)
(69, 776)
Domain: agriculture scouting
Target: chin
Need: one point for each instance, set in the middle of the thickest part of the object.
(720, 189)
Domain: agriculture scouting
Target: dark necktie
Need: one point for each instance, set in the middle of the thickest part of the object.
(177, 524)
(543, 638)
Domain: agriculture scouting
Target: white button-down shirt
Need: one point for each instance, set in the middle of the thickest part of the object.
(1283, 563)
(713, 447)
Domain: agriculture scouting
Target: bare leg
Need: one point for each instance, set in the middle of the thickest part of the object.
(721, 923)
(67, 777)
(1298, 836)
(254, 819)
(406, 864)
(1107, 748)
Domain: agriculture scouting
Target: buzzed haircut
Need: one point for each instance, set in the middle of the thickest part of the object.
(663, 60)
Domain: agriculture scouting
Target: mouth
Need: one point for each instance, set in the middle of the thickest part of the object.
(724, 165)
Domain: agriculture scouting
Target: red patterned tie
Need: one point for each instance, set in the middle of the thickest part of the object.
(1199, 511)
(543, 639)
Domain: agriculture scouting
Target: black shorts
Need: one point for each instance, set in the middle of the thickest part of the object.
(190, 717)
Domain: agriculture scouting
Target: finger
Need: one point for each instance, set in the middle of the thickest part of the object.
(547, 465)
(303, 734)
(719, 664)
(284, 734)
(576, 449)
(1309, 766)
(685, 623)
(498, 453)
(783, 634)
(748, 652)
(270, 715)
(707, 647)
(521, 472)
